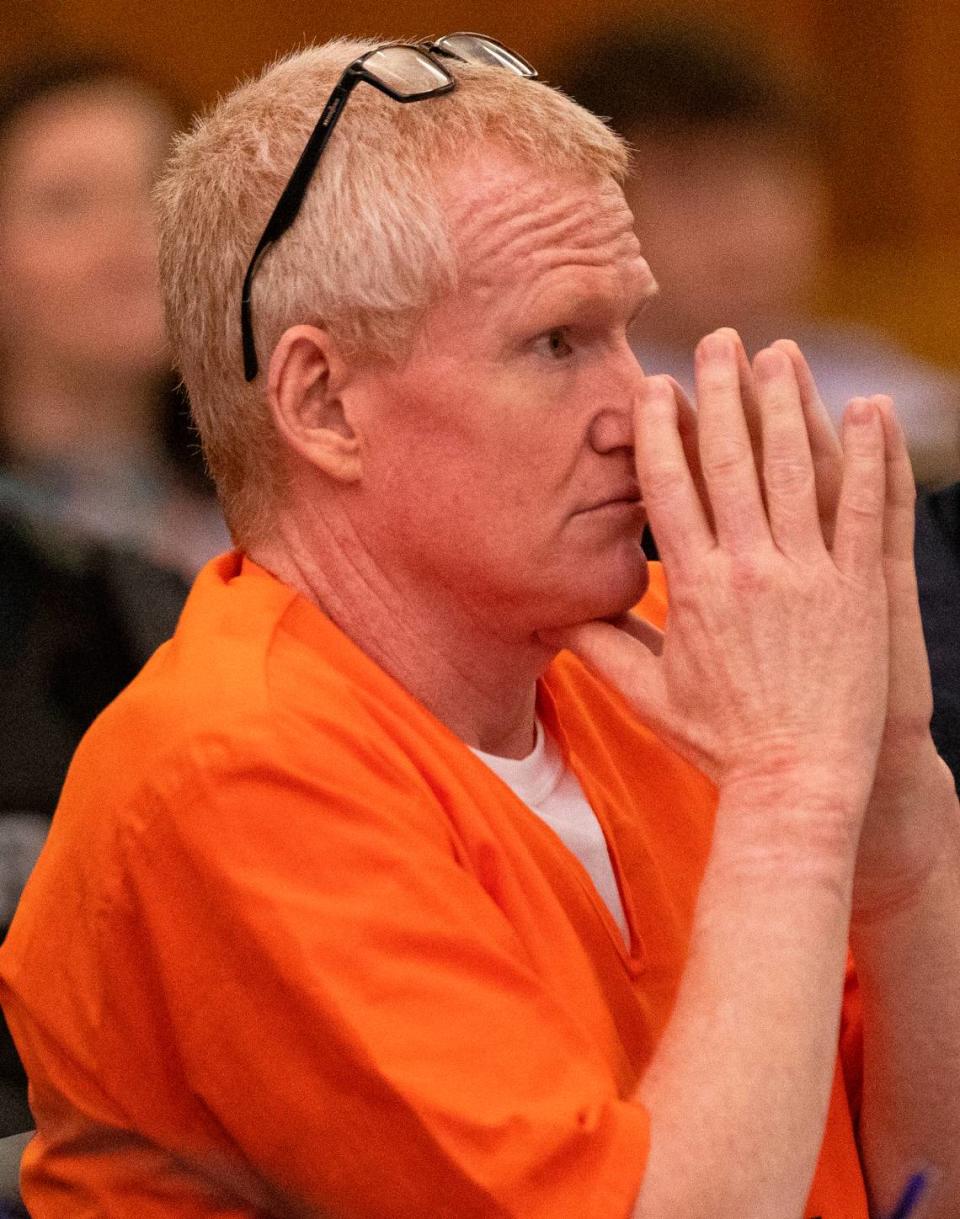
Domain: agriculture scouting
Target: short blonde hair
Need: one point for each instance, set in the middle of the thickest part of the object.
(369, 251)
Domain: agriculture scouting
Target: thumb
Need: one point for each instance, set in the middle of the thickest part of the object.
(624, 652)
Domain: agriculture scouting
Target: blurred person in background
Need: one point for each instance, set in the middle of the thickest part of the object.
(732, 208)
(90, 433)
(103, 507)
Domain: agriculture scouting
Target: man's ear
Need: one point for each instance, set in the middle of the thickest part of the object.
(305, 388)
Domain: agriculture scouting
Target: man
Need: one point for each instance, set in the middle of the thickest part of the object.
(295, 947)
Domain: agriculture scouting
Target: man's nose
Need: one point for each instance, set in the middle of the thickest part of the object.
(613, 426)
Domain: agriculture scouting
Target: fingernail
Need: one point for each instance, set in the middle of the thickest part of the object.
(770, 364)
(716, 346)
(657, 386)
(860, 411)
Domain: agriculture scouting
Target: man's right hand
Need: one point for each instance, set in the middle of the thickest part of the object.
(772, 677)
(773, 666)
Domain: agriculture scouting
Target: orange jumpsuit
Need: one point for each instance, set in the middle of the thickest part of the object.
(291, 949)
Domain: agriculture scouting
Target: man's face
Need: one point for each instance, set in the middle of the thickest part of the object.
(500, 456)
(78, 274)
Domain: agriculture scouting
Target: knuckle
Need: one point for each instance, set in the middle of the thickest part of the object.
(748, 574)
(788, 474)
(664, 481)
(859, 509)
(862, 503)
(725, 456)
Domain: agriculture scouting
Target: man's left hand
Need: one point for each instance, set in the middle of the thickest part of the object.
(912, 812)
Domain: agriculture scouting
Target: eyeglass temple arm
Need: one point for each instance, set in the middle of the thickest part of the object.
(287, 210)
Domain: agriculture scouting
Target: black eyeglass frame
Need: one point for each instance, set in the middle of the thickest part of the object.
(291, 200)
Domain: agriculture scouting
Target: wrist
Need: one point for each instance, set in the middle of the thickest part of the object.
(910, 769)
(792, 827)
(802, 785)
(835, 772)
(911, 832)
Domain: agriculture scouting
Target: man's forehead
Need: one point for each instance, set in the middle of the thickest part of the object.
(503, 212)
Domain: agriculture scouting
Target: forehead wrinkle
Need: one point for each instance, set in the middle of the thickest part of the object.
(625, 280)
(535, 221)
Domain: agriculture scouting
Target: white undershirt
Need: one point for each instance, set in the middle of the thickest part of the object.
(547, 786)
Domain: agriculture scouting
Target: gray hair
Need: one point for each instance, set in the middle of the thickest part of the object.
(369, 252)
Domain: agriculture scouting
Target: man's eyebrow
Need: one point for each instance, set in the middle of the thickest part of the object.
(551, 297)
(636, 301)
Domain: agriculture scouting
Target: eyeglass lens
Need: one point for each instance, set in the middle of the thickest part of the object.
(405, 70)
(476, 48)
(407, 73)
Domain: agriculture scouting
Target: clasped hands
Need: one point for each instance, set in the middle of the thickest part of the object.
(793, 653)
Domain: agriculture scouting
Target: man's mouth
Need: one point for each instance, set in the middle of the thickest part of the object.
(628, 498)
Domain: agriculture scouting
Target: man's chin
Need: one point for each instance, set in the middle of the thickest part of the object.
(614, 599)
(635, 593)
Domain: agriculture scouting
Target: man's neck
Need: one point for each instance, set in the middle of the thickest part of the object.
(477, 682)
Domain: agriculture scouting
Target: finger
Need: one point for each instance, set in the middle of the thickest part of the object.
(726, 452)
(644, 632)
(825, 445)
(670, 496)
(788, 478)
(618, 656)
(915, 697)
(858, 537)
(687, 426)
(901, 491)
(751, 405)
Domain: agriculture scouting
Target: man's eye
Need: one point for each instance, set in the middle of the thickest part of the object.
(554, 343)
